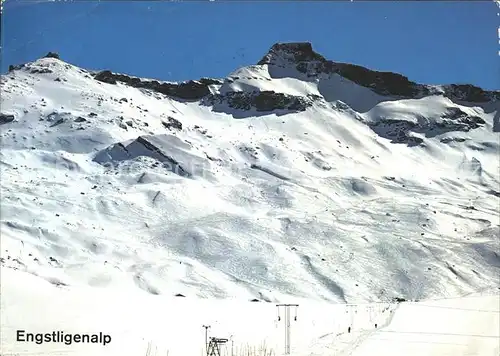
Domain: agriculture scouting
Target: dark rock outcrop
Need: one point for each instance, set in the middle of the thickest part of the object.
(457, 120)
(16, 67)
(190, 90)
(400, 131)
(469, 93)
(263, 101)
(172, 123)
(6, 118)
(452, 139)
(211, 81)
(35, 70)
(297, 52)
(52, 55)
(383, 83)
(40, 70)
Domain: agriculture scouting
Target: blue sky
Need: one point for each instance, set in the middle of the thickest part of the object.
(431, 42)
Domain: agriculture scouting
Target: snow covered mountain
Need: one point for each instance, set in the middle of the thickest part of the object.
(295, 177)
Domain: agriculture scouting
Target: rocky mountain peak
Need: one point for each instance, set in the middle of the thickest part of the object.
(309, 65)
(302, 57)
(293, 52)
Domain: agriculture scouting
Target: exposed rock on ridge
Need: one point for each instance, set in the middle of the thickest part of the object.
(261, 101)
(196, 90)
(190, 90)
(403, 131)
(307, 61)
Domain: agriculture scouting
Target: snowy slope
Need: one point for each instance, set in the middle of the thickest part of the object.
(140, 324)
(276, 181)
(462, 326)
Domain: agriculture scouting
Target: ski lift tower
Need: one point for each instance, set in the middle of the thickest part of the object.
(287, 323)
(214, 346)
(206, 336)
